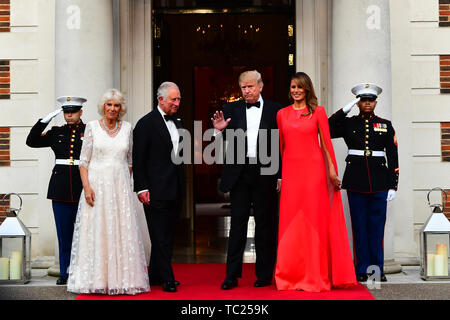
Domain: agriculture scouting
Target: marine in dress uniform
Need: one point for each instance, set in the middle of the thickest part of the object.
(371, 175)
(65, 184)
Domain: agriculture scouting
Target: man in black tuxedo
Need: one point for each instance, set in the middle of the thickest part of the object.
(244, 177)
(159, 182)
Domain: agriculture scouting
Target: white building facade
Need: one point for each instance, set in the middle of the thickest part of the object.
(83, 47)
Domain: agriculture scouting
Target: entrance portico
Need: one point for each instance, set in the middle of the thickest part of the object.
(109, 43)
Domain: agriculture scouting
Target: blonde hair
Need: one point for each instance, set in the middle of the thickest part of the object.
(117, 96)
(251, 75)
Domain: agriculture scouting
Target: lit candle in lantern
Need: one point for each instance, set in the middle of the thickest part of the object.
(15, 268)
(430, 264)
(442, 250)
(439, 265)
(4, 268)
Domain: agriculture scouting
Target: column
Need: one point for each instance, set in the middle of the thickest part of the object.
(361, 52)
(84, 57)
(84, 50)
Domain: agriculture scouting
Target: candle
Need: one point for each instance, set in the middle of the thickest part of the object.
(442, 249)
(15, 268)
(439, 265)
(430, 264)
(4, 268)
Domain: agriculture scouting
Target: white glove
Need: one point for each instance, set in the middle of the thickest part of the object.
(391, 195)
(51, 115)
(349, 106)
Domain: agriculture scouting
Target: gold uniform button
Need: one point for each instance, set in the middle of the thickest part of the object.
(73, 140)
(71, 151)
(71, 146)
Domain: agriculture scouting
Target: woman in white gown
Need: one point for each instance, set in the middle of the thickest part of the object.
(110, 247)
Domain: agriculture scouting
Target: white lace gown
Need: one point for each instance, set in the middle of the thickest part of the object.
(108, 252)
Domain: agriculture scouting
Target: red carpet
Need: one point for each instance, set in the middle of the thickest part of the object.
(202, 282)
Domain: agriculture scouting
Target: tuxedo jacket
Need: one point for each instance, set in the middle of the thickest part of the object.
(153, 168)
(237, 111)
(66, 141)
(367, 174)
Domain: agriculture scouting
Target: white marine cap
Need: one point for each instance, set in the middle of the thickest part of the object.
(366, 90)
(71, 103)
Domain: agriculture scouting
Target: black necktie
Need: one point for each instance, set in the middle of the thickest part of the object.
(168, 117)
(255, 104)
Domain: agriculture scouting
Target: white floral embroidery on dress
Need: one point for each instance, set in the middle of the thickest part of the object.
(108, 252)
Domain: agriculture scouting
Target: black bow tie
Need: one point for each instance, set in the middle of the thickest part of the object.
(168, 117)
(256, 104)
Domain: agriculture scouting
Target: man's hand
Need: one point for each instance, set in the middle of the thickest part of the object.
(144, 198)
(219, 121)
(89, 195)
(51, 115)
(278, 185)
(391, 195)
(349, 106)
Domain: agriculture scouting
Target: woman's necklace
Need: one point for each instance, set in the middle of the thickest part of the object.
(110, 131)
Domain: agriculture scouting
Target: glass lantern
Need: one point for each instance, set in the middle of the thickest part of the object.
(434, 243)
(15, 248)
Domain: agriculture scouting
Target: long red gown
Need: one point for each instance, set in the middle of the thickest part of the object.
(313, 247)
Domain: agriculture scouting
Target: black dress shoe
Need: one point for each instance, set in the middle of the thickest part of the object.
(361, 277)
(262, 283)
(169, 286)
(61, 281)
(229, 284)
(159, 282)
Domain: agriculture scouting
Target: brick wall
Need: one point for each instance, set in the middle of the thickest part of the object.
(5, 159)
(5, 79)
(444, 13)
(5, 13)
(445, 73)
(4, 205)
(447, 206)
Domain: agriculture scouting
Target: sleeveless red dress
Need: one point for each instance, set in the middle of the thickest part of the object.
(313, 247)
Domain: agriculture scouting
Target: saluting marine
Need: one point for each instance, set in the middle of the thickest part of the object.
(370, 177)
(65, 183)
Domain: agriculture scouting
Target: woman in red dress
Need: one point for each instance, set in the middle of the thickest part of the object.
(313, 248)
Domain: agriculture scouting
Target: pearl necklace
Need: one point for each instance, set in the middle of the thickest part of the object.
(110, 131)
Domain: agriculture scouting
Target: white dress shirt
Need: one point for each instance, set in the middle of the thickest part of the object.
(253, 120)
(253, 116)
(173, 131)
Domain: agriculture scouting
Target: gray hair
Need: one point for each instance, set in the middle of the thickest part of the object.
(117, 96)
(163, 90)
(251, 75)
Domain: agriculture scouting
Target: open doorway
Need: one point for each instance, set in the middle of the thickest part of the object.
(203, 46)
